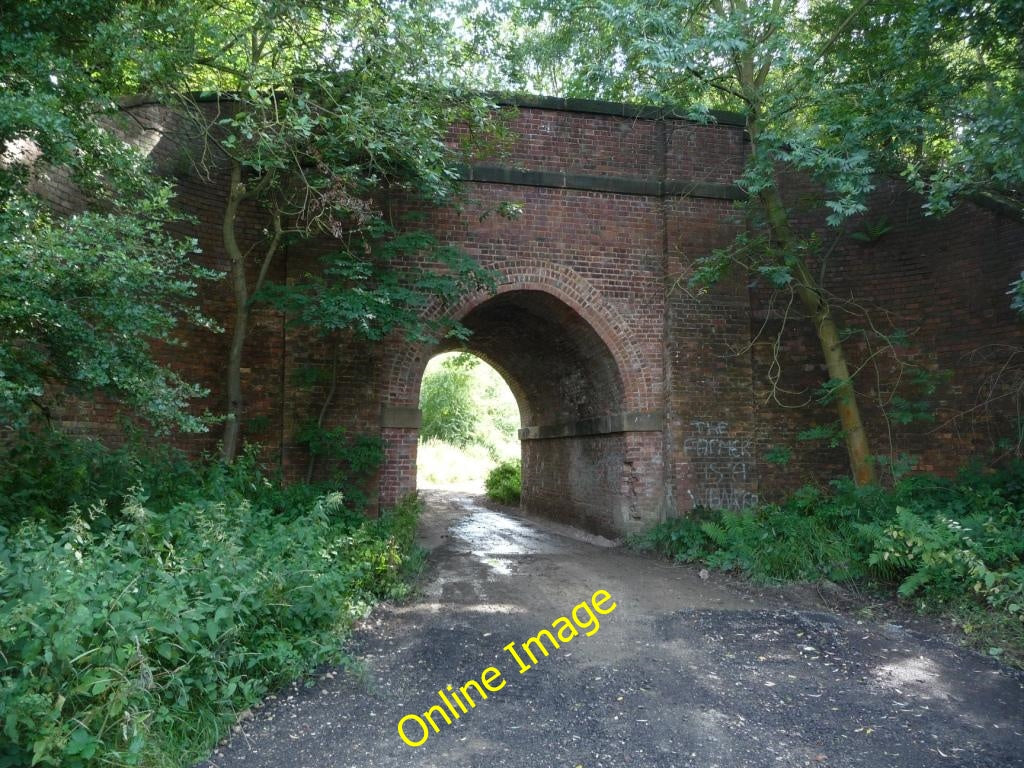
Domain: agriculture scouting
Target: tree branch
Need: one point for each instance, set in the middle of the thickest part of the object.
(837, 33)
(268, 256)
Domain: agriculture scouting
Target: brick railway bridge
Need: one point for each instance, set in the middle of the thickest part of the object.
(639, 398)
(584, 322)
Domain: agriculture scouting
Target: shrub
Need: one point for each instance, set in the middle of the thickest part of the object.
(46, 473)
(504, 483)
(811, 536)
(353, 459)
(133, 635)
(973, 544)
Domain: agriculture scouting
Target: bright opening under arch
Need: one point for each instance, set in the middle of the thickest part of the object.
(583, 452)
(470, 423)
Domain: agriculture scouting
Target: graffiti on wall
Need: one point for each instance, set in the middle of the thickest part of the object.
(723, 464)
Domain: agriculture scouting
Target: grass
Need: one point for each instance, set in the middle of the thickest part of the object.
(442, 465)
(987, 631)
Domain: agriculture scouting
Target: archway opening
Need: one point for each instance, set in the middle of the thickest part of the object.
(470, 423)
(575, 445)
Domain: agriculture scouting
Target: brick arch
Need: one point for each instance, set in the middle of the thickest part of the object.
(407, 361)
(591, 423)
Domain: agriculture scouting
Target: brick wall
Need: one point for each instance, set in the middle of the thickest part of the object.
(942, 281)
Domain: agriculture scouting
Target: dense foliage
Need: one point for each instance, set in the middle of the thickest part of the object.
(81, 301)
(465, 402)
(939, 542)
(450, 413)
(504, 483)
(281, 105)
(134, 627)
(46, 473)
(930, 90)
(82, 296)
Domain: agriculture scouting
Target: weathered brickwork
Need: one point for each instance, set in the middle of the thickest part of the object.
(640, 397)
(584, 143)
(943, 282)
(711, 427)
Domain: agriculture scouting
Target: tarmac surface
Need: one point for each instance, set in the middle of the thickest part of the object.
(689, 670)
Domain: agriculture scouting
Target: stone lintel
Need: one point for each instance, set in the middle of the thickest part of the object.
(401, 417)
(614, 108)
(635, 421)
(619, 185)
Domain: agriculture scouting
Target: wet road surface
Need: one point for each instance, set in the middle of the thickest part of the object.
(684, 672)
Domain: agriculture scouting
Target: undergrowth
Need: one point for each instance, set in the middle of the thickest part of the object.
(135, 623)
(954, 547)
(504, 483)
(46, 473)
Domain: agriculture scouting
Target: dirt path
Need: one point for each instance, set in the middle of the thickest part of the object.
(684, 672)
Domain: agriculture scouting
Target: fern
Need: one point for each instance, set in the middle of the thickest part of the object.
(716, 532)
(936, 540)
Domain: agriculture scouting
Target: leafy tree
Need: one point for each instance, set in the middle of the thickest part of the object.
(323, 118)
(451, 413)
(82, 296)
(465, 402)
(317, 115)
(838, 90)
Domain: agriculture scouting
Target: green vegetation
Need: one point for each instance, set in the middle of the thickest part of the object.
(470, 419)
(143, 604)
(504, 483)
(82, 297)
(145, 599)
(466, 402)
(450, 411)
(950, 546)
(292, 117)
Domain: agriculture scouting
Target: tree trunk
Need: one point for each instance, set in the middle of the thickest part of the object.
(311, 468)
(751, 79)
(240, 294)
(861, 464)
(857, 448)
